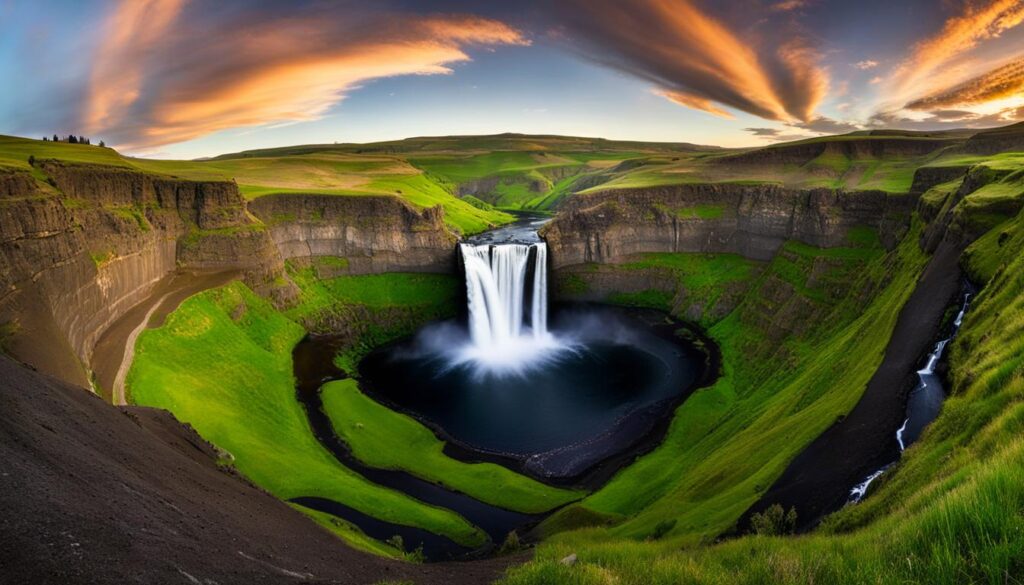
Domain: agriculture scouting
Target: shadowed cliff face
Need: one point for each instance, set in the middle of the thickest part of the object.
(79, 250)
(374, 233)
(750, 220)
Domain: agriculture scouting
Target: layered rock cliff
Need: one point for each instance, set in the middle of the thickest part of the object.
(81, 245)
(751, 220)
(373, 233)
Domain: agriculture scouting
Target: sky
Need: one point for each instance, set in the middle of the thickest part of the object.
(196, 78)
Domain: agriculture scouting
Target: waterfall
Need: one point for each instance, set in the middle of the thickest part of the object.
(496, 281)
(923, 404)
(495, 290)
(539, 317)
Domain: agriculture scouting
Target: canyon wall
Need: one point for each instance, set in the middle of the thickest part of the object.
(80, 245)
(373, 233)
(751, 220)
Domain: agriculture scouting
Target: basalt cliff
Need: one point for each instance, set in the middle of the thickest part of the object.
(82, 244)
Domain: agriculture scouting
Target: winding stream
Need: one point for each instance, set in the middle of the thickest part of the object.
(923, 404)
(314, 366)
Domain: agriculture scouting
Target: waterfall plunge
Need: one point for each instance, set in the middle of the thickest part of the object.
(495, 289)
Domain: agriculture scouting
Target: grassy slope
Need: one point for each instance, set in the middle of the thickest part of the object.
(727, 443)
(701, 276)
(334, 174)
(834, 171)
(522, 180)
(322, 173)
(951, 511)
(383, 438)
(222, 362)
(350, 533)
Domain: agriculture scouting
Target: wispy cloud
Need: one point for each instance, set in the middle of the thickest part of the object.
(170, 72)
(865, 64)
(698, 60)
(999, 83)
(789, 5)
(927, 68)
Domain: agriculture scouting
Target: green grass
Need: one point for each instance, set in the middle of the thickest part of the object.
(522, 178)
(350, 533)
(14, 153)
(386, 439)
(378, 291)
(222, 362)
(728, 442)
(950, 511)
(324, 173)
(702, 278)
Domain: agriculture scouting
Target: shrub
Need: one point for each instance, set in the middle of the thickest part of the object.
(397, 542)
(511, 544)
(774, 521)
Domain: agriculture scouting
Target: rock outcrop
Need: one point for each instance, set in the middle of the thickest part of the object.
(81, 248)
(751, 220)
(373, 233)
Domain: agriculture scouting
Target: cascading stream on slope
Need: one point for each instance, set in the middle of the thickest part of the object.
(923, 405)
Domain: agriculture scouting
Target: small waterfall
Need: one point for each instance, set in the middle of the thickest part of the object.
(923, 405)
(539, 317)
(496, 276)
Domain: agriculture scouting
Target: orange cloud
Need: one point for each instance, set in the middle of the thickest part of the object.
(694, 102)
(807, 82)
(789, 5)
(1000, 83)
(175, 87)
(928, 65)
(696, 60)
(115, 84)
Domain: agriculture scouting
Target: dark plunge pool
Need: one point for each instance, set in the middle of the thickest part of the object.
(620, 374)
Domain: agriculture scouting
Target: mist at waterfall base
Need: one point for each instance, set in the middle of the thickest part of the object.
(563, 396)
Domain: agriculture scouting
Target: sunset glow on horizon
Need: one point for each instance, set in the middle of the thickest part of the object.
(184, 79)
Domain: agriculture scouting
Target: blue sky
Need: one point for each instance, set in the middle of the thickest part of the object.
(185, 79)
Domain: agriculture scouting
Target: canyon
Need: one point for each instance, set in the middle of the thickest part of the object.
(815, 301)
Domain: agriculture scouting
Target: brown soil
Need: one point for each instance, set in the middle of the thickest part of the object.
(95, 494)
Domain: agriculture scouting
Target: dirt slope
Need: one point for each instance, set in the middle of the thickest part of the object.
(91, 493)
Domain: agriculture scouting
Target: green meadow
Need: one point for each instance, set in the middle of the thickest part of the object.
(386, 439)
(222, 363)
(800, 336)
(951, 511)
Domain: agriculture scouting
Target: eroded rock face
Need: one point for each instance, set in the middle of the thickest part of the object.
(80, 250)
(751, 220)
(374, 233)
